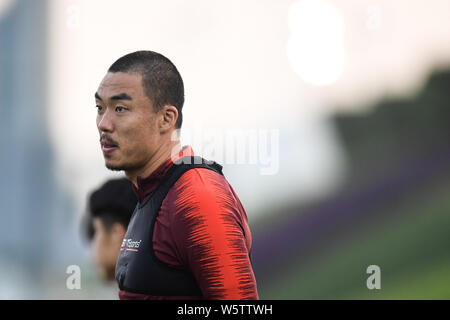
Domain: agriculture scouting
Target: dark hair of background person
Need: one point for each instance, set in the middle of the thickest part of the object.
(161, 80)
(113, 202)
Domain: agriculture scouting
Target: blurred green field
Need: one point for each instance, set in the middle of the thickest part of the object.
(411, 247)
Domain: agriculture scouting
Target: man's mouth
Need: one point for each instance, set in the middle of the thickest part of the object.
(108, 146)
(108, 149)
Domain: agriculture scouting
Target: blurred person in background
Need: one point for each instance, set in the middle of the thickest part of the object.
(189, 236)
(109, 211)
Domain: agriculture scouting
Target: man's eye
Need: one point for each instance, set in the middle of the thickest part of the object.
(120, 109)
(99, 108)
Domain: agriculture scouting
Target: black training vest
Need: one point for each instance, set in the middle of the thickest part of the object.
(138, 270)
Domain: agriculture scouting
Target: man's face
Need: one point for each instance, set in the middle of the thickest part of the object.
(106, 247)
(126, 122)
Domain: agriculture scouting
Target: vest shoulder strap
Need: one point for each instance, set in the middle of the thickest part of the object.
(178, 168)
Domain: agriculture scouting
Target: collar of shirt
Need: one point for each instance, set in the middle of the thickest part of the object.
(149, 184)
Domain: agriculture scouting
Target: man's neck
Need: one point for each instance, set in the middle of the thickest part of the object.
(161, 156)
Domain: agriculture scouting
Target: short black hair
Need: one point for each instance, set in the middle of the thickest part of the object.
(113, 202)
(161, 80)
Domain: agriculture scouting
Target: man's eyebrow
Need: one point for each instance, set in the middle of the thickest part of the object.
(122, 96)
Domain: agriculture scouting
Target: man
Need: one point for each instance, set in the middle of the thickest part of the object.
(109, 211)
(189, 236)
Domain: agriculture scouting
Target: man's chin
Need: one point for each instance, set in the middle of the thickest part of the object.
(118, 167)
(106, 274)
(114, 167)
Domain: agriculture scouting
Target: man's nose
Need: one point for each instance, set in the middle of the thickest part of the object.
(105, 123)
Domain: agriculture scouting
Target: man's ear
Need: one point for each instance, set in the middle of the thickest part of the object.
(118, 231)
(169, 116)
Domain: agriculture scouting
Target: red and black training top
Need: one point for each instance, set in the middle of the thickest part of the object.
(201, 228)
